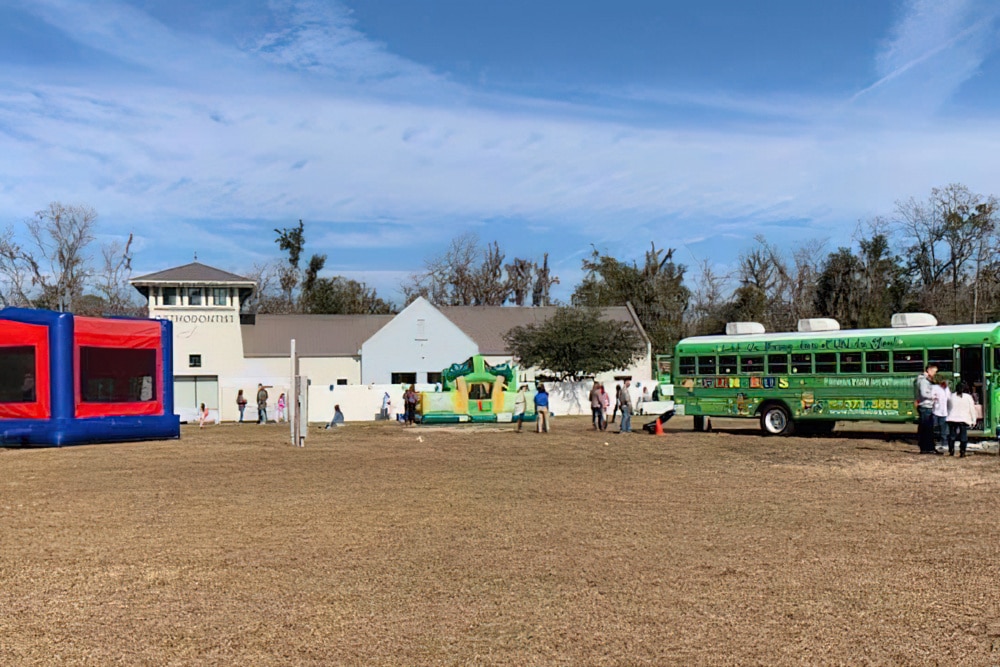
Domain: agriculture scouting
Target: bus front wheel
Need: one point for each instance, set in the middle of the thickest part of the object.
(775, 420)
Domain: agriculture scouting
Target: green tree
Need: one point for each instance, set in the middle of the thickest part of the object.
(840, 289)
(292, 240)
(342, 296)
(656, 290)
(575, 343)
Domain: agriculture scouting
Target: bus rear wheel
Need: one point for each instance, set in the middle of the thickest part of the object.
(775, 420)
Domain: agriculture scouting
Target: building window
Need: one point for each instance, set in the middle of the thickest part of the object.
(421, 329)
(194, 296)
(341, 382)
(404, 378)
(434, 378)
(169, 296)
(194, 360)
(220, 296)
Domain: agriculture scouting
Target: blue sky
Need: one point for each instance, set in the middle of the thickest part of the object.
(391, 126)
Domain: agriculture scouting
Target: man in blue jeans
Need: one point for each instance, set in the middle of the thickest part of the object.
(923, 399)
(626, 401)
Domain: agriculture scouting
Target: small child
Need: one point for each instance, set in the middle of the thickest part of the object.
(281, 408)
(203, 417)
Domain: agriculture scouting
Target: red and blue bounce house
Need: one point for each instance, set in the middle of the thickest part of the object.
(68, 380)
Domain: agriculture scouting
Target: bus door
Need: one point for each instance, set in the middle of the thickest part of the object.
(970, 364)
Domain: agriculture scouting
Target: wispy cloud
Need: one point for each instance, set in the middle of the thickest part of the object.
(314, 120)
(936, 47)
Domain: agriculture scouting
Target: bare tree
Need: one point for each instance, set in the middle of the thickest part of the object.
(267, 296)
(57, 265)
(468, 274)
(520, 274)
(112, 284)
(947, 240)
(544, 280)
(708, 301)
(15, 273)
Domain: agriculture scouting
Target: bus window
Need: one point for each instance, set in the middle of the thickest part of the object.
(777, 363)
(826, 362)
(727, 365)
(996, 359)
(908, 361)
(706, 366)
(685, 365)
(751, 364)
(944, 359)
(876, 362)
(850, 362)
(802, 363)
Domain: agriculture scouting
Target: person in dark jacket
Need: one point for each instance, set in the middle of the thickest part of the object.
(541, 410)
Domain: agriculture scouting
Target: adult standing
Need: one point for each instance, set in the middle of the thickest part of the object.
(595, 407)
(961, 417)
(605, 404)
(618, 402)
(940, 411)
(261, 404)
(541, 410)
(520, 406)
(410, 403)
(626, 406)
(241, 403)
(923, 399)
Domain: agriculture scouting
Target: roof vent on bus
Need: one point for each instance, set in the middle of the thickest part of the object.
(903, 320)
(818, 324)
(743, 328)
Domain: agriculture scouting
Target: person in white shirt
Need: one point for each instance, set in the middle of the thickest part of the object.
(961, 416)
(941, 394)
(520, 405)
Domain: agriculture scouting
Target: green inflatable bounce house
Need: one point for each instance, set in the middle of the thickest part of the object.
(474, 391)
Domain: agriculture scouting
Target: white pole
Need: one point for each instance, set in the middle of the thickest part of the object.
(292, 403)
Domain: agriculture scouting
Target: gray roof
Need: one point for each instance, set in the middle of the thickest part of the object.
(315, 335)
(486, 325)
(195, 272)
(343, 335)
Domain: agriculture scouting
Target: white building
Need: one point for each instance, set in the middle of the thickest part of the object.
(218, 350)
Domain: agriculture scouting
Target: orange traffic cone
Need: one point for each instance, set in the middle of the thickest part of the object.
(658, 428)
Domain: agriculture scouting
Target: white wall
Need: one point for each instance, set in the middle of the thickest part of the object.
(357, 402)
(418, 340)
(327, 370)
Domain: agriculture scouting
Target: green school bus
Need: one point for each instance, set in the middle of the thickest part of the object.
(805, 382)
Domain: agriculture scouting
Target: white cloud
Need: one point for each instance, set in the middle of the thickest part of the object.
(936, 47)
(336, 128)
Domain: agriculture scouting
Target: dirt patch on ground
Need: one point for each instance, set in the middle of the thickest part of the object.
(482, 546)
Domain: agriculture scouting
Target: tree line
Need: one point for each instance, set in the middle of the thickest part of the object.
(940, 254)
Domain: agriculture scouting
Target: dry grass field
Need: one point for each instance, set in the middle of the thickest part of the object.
(477, 546)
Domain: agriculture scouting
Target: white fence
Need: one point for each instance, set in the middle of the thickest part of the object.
(364, 402)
